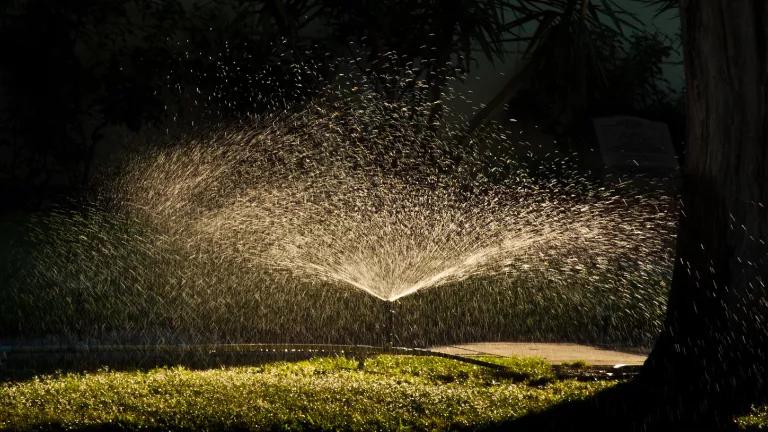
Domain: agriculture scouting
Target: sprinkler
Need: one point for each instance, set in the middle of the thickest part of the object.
(389, 336)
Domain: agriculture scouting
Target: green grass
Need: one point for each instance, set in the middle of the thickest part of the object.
(578, 364)
(390, 393)
(757, 420)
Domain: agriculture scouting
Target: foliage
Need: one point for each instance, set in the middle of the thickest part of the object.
(662, 5)
(390, 393)
(578, 364)
(574, 54)
(756, 420)
(78, 68)
(603, 75)
(143, 63)
(434, 40)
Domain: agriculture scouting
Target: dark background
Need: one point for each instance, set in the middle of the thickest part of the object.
(85, 83)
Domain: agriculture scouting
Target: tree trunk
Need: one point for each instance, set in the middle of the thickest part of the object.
(712, 354)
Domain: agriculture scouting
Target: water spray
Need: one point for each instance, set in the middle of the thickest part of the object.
(261, 209)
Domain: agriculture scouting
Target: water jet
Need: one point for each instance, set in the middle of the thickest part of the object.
(257, 232)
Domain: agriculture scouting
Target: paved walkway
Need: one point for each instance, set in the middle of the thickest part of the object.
(555, 353)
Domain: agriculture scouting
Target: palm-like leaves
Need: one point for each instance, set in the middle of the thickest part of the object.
(662, 6)
(133, 45)
(562, 39)
(442, 36)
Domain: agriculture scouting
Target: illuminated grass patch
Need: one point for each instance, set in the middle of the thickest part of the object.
(756, 420)
(390, 393)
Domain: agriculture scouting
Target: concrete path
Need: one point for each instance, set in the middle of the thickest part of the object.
(555, 353)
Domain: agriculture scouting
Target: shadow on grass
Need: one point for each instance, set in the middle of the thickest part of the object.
(626, 407)
(19, 368)
(629, 406)
(112, 427)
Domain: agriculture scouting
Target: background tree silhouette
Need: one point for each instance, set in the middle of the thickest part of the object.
(76, 69)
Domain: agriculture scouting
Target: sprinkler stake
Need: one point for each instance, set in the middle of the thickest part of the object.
(389, 340)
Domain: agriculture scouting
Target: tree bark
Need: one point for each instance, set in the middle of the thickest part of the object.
(712, 355)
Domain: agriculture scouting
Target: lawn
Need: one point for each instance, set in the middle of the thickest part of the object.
(389, 393)
(757, 420)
